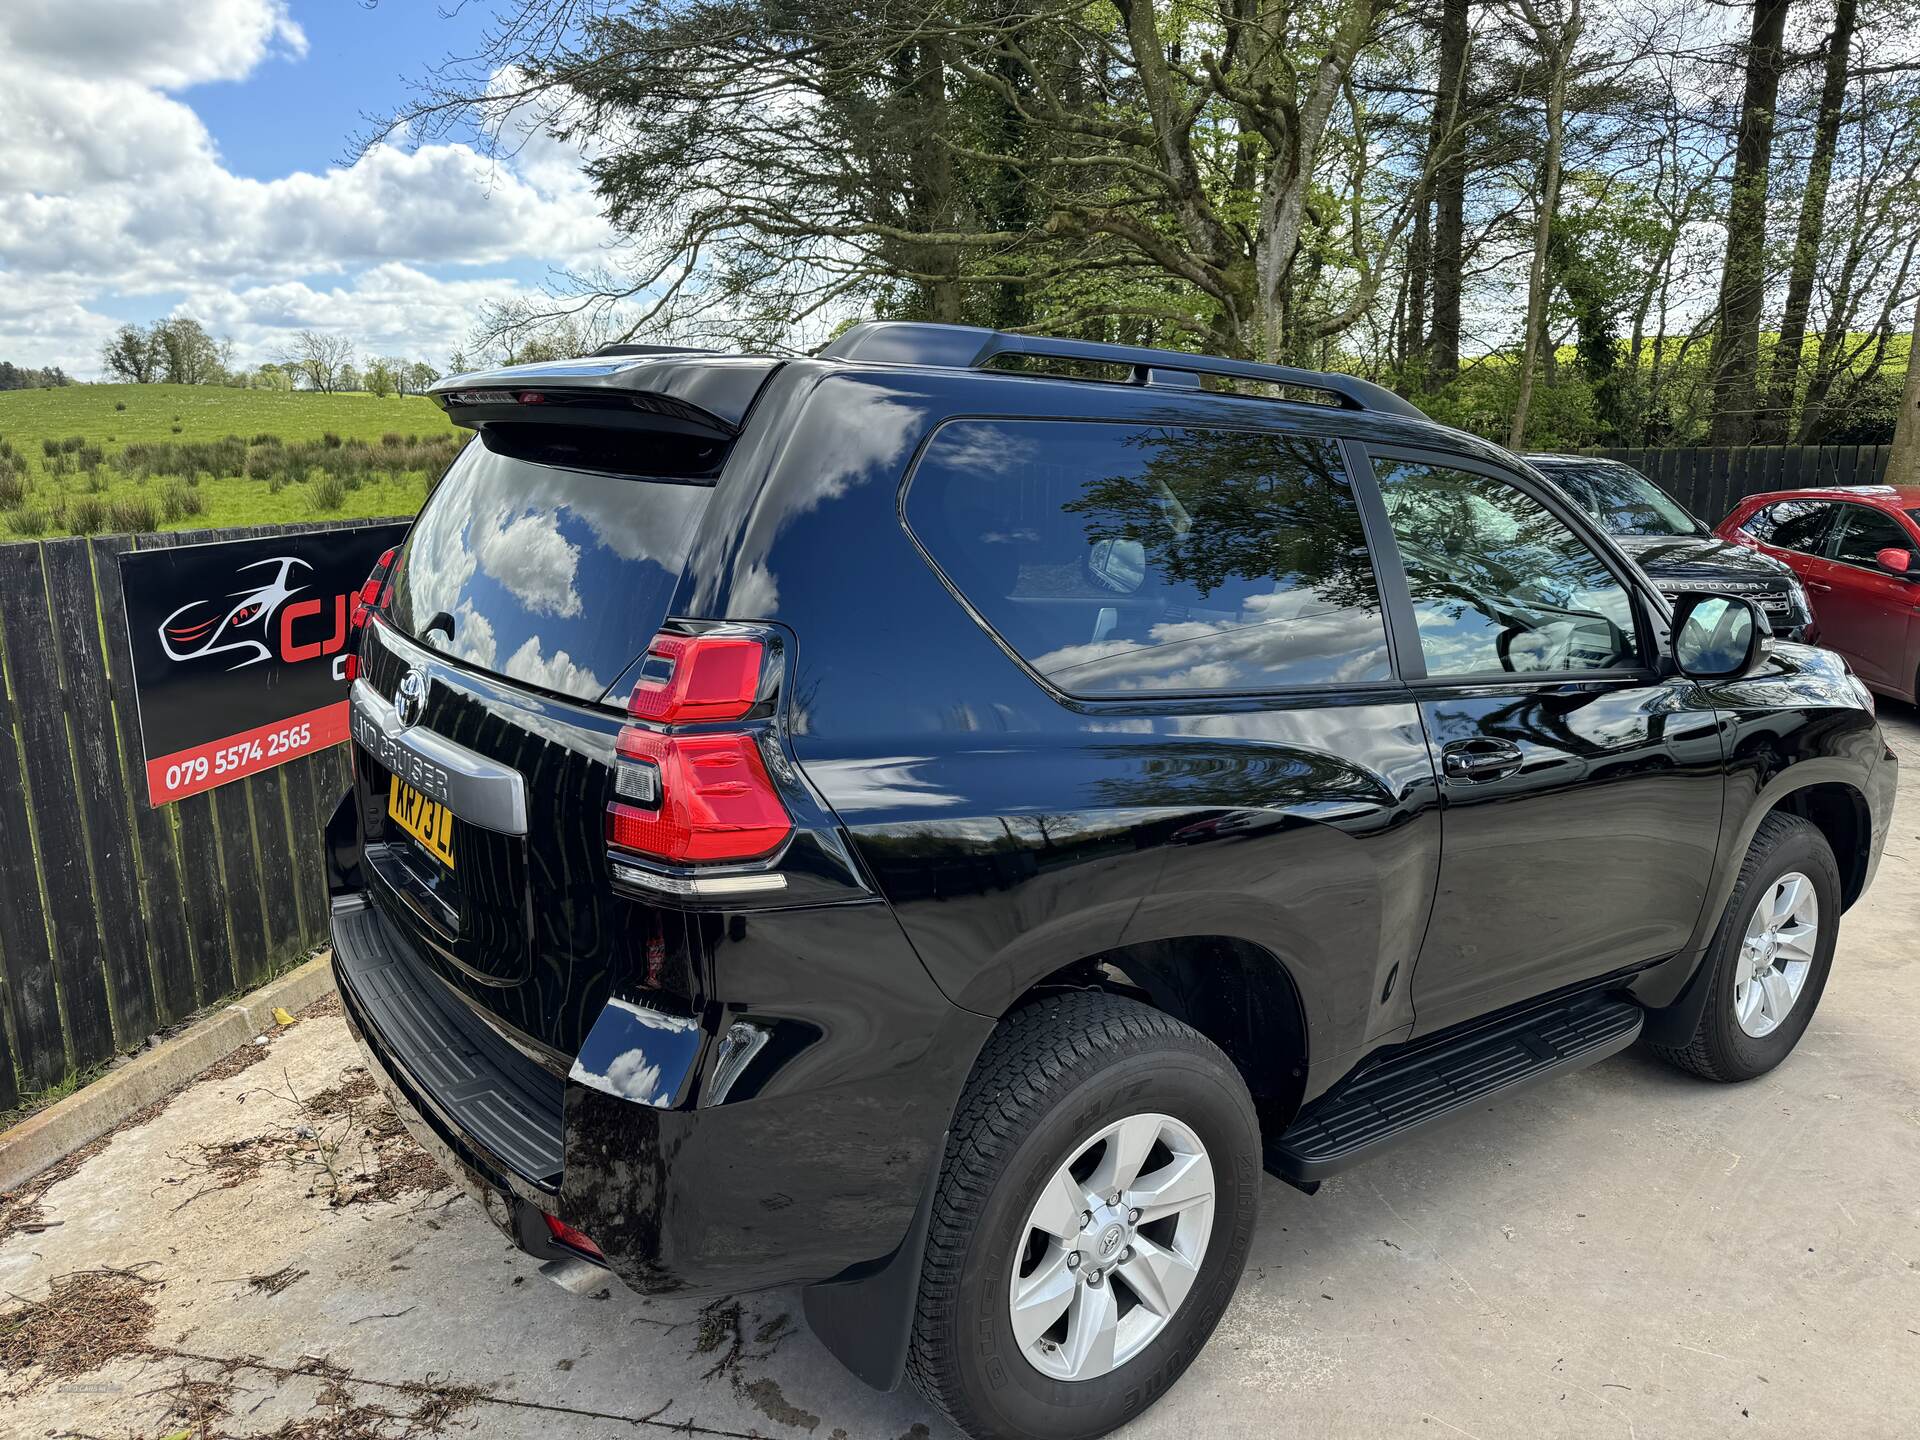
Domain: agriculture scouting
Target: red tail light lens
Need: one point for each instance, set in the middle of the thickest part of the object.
(374, 592)
(689, 678)
(689, 799)
(372, 595)
(715, 800)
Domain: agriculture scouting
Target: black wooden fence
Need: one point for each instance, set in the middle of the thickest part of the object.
(1712, 482)
(117, 919)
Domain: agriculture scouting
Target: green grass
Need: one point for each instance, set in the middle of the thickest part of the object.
(209, 456)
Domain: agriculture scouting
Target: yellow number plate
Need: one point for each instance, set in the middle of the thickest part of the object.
(428, 821)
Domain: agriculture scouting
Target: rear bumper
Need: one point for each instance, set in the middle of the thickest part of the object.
(784, 1141)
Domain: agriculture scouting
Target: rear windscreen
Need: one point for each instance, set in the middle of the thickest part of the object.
(552, 576)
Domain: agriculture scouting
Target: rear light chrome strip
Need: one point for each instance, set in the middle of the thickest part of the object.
(480, 791)
(696, 887)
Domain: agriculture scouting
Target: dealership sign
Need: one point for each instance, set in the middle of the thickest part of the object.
(239, 651)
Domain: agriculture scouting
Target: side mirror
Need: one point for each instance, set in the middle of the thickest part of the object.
(1896, 561)
(1117, 566)
(1717, 637)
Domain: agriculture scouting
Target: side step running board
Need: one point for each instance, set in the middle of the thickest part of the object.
(1436, 1082)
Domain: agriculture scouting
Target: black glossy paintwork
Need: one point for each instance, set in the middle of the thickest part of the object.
(1535, 891)
(762, 1091)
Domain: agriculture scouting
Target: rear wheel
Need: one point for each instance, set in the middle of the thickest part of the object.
(1092, 1220)
(1770, 956)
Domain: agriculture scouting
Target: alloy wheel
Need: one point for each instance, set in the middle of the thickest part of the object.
(1112, 1247)
(1776, 954)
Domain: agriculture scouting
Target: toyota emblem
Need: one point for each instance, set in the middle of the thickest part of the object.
(411, 698)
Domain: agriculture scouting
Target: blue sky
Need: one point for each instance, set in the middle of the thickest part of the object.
(171, 158)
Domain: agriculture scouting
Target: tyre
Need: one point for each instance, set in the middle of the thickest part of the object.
(1770, 955)
(1092, 1219)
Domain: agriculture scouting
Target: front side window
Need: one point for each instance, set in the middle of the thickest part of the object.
(1865, 533)
(1499, 584)
(1791, 524)
(1154, 560)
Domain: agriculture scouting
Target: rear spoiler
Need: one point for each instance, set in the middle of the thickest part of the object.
(706, 396)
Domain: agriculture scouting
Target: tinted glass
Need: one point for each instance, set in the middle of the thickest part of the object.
(1126, 559)
(1623, 500)
(1865, 533)
(1791, 524)
(1498, 583)
(551, 576)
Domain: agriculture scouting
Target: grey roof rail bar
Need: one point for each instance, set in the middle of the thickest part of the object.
(906, 342)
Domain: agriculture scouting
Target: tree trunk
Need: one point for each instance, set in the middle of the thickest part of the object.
(1447, 257)
(1774, 423)
(1736, 344)
(1903, 462)
(1413, 335)
(1290, 173)
(1537, 279)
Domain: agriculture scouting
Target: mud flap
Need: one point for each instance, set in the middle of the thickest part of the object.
(866, 1319)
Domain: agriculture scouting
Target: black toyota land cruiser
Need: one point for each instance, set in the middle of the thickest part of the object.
(932, 823)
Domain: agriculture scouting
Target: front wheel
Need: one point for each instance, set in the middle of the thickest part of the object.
(1770, 956)
(1092, 1219)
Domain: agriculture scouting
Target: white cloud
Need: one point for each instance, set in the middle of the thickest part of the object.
(110, 186)
(556, 672)
(530, 556)
(155, 42)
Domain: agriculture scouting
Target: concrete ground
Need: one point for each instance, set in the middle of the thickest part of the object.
(1623, 1252)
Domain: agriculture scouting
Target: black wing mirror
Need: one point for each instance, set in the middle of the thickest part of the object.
(1717, 637)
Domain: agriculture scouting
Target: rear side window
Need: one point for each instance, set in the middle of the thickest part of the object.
(549, 575)
(1791, 524)
(1130, 559)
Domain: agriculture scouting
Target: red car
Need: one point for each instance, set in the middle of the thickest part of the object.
(1857, 550)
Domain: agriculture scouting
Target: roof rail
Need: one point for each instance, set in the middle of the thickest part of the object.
(971, 347)
(652, 350)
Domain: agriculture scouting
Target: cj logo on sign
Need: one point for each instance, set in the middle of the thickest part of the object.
(246, 628)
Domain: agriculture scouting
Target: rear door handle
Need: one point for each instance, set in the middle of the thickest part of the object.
(1476, 760)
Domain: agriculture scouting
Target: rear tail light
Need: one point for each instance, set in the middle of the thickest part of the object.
(693, 799)
(373, 595)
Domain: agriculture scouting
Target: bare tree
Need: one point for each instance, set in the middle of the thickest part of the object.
(320, 359)
(1556, 27)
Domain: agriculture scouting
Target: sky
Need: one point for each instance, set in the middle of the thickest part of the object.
(188, 157)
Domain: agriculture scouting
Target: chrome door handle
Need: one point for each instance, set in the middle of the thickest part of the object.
(1476, 760)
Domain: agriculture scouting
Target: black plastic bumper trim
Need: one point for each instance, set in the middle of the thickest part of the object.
(483, 1090)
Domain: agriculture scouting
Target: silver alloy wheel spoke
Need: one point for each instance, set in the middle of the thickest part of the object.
(1159, 1277)
(1060, 1207)
(1172, 1188)
(1043, 1298)
(1127, 1150)
(1090, 1289)
(1093, 1327)
(1776, 954)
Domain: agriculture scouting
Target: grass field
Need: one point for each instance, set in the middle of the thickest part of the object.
(85, 459)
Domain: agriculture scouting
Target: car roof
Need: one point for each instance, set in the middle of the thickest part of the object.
(1548, 460)
(724, 385)
(1884, 497)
